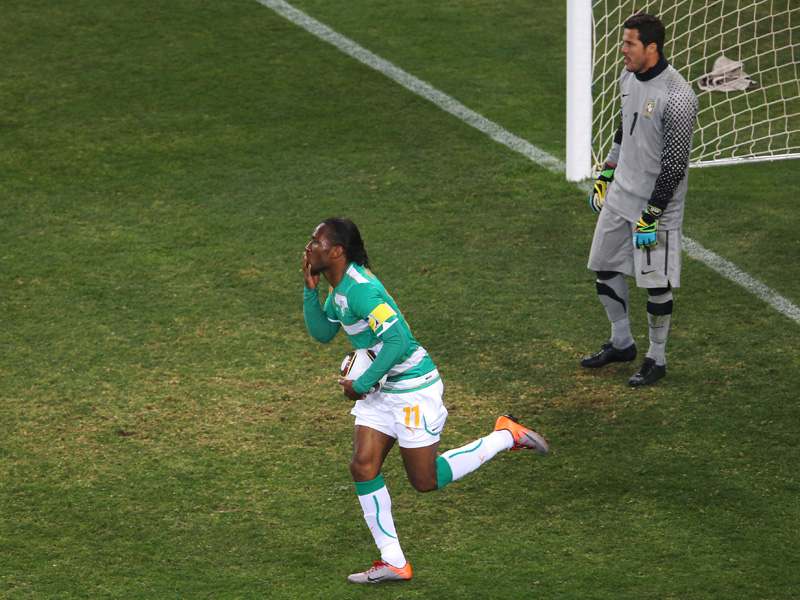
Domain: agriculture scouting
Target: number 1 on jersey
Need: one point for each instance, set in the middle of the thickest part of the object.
(633, 124)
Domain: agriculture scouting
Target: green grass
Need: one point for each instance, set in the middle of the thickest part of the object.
(170, 430)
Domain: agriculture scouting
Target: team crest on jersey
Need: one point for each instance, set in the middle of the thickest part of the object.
(649, 108)
(340, 300)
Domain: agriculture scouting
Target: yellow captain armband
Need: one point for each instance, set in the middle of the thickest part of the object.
(381, 318)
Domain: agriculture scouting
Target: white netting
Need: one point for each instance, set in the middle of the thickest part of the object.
(761, 38)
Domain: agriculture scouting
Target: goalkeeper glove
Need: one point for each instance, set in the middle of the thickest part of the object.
(600, 188)
(645, 234)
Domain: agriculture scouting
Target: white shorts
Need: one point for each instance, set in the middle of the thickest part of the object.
(613, 250)
(415, 419)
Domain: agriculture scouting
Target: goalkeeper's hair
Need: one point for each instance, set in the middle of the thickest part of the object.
(343, 232)
(650, 29)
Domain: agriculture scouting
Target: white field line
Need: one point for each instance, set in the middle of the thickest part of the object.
(508, 139)
(419, 87)
(747, 281)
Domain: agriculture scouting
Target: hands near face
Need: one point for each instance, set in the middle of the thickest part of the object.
(311, 279)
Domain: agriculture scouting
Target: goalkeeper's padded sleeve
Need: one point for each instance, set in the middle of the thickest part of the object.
(616, 146)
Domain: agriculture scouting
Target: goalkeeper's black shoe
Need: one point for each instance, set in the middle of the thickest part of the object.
(609, 354)
(649, 373)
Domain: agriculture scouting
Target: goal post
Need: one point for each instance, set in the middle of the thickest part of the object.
(742, 58)
(579, 89)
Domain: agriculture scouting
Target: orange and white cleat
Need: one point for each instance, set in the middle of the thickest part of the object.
(381, 572)
(524, 438)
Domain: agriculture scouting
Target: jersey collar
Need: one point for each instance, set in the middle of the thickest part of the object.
(653, 71)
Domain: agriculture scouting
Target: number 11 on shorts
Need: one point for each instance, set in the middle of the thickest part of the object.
(412, 409)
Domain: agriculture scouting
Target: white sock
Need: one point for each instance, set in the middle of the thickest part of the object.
(468, 458)
(377, 506)
(393, 554)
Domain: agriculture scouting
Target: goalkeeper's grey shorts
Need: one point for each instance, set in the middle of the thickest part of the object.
(613, 250)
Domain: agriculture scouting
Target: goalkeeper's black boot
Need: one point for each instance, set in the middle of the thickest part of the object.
(609, 354)
(649, 373)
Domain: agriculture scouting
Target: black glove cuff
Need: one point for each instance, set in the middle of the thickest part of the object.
(651, 214)
(607, 172)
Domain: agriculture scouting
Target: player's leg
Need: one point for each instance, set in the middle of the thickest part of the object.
(372, 440)
(427, 472)
(370, 448)
(415, 418)
(508, 434)
(421, 416)
(612, 290)
(611, 259)
(658, 267)
(659, 316)
(421, 467)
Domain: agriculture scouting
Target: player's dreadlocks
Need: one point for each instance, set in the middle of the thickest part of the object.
(343, 232)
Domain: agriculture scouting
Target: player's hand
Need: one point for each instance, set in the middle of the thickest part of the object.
(348, 391)
(601, 187)
(312, 281)
(645, 234)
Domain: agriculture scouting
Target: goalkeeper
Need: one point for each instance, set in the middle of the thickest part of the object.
(408, 409)
(640, 196)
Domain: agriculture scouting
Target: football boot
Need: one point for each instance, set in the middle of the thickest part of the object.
(648, 374)
(381, 572)
(524, 438)
(608, 354)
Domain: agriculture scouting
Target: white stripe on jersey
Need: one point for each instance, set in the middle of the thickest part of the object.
(355, 275)
(406, 385)
(412, 361)
(353, 329)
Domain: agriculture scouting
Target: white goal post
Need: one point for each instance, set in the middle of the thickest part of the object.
(742, 58)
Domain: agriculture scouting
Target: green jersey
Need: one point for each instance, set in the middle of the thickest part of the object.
(370, 318)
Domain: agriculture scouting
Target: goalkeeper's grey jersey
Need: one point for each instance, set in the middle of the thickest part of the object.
(652, 144)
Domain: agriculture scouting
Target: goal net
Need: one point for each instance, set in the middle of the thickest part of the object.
(741, 57)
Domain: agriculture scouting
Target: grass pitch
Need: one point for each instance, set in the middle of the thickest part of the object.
(171, 431)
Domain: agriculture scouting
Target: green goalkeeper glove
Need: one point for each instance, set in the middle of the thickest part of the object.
(600, 188)
(645, 234)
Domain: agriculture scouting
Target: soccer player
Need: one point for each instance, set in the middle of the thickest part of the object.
(640, 196)
(408, 409)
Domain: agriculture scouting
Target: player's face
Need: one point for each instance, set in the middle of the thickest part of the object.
(318, 250)
(637, 58)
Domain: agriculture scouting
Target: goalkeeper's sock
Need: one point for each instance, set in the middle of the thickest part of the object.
(659, 316)
(613, 294)
(377, 506)
(456, 463)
